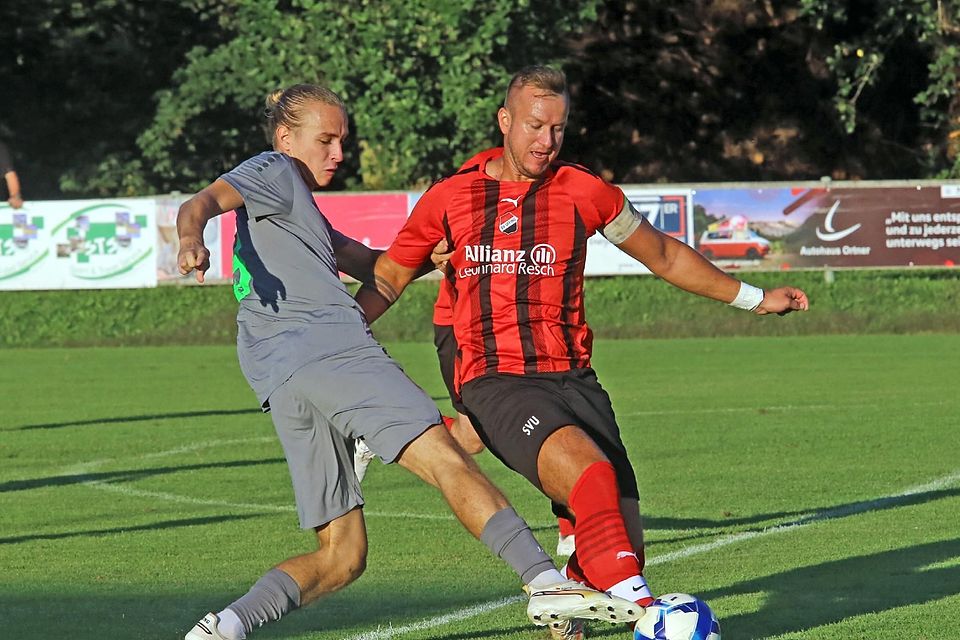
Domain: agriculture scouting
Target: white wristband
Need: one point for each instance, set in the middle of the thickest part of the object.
(748, 298)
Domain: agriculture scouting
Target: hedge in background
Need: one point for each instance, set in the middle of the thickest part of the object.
(621, 307)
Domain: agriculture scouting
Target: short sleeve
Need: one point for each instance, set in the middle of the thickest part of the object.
(597, 200)
(266, 183)
(422, 231)
(608, 199)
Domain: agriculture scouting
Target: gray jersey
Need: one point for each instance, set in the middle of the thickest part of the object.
(293, 307)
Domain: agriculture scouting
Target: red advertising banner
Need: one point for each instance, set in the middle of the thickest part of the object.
(371, 218)
(837, 227)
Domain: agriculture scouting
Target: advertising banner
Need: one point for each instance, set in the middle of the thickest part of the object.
(371, 218)
(79, 244)
(874, 226)
(168, 243)
(669, 210)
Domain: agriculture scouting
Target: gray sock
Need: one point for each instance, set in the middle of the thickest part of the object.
(273, 595)
(509, 538)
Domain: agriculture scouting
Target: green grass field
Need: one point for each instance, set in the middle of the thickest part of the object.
(805, 487)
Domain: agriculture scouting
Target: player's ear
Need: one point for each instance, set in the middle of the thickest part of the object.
(282, 138)
(503, 119)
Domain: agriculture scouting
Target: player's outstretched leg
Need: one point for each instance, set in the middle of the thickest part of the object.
(486, 514)
(575, 471)
(296, 582)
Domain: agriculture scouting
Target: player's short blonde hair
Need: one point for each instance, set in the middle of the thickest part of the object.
(549, 79)
(285, 106)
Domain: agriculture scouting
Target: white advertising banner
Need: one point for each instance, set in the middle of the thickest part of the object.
(79, 244)
(670, 210)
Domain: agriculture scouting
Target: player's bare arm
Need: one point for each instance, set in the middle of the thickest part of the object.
(354, 258)
(686, 269)
(390, 279)
(358, 260)
(193, 216)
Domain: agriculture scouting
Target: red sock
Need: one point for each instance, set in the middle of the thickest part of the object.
(448, 422)
(603, 546)
(566, 526)
(574, 571)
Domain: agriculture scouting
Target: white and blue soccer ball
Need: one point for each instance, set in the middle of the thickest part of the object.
(677, 616)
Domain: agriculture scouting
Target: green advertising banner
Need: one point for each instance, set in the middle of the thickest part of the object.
(79, 244)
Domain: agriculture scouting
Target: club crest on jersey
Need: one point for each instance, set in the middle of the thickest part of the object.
(508, 223)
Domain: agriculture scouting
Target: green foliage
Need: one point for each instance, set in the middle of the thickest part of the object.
(117, 97)
(422, 80)
(622, 307)
(78, 78)
(865, 37)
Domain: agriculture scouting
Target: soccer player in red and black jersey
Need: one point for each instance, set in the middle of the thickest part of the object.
(518, 221)
(445, 341)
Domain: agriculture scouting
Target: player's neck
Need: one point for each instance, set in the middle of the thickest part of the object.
(502, 170)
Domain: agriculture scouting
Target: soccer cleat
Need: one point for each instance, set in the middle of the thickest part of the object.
(361, 458)
(568, 630)
(206, 629)
(569, 600)
(566, 545)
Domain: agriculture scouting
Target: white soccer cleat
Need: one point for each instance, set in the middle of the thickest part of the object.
(361, 458)
(566, 545)
(206, 629)
(569, 600)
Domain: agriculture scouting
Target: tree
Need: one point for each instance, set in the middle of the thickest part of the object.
(702, 90)
(78, 81)
(873, 48)
(422, 80)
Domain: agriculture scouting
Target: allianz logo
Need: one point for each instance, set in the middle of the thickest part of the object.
(540, 255)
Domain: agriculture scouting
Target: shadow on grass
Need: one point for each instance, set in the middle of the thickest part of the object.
(143, 418)
(493, 633)
(123, 476)
(826, 593)
(129, 613)
(807, 516)
(155, 526)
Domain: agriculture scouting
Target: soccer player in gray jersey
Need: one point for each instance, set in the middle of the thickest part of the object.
(305, 348)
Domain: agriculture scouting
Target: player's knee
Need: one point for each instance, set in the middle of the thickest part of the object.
(465, 436)
(433, 451)
(349, 561)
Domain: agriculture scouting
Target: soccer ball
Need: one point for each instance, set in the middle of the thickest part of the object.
(677, 616)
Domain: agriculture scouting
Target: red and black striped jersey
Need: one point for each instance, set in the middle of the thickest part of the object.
(517, 267)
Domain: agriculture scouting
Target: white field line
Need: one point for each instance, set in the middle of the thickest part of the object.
(430, 623)
(87, 467)
(781, 407)
(485, 607)
(827, 514)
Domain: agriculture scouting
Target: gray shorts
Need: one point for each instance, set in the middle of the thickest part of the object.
(325, 405)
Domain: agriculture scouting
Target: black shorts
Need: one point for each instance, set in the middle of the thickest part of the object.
(517, 413)
(446, 344)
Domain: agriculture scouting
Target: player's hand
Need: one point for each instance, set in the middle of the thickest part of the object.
(193, 256)
(441, 256)
(782, 301)
(15, 201)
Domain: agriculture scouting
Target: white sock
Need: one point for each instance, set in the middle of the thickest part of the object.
(230, 625)
(546, 578)
(633, 588)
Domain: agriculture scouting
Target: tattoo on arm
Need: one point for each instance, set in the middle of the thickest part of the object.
(386, 290)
